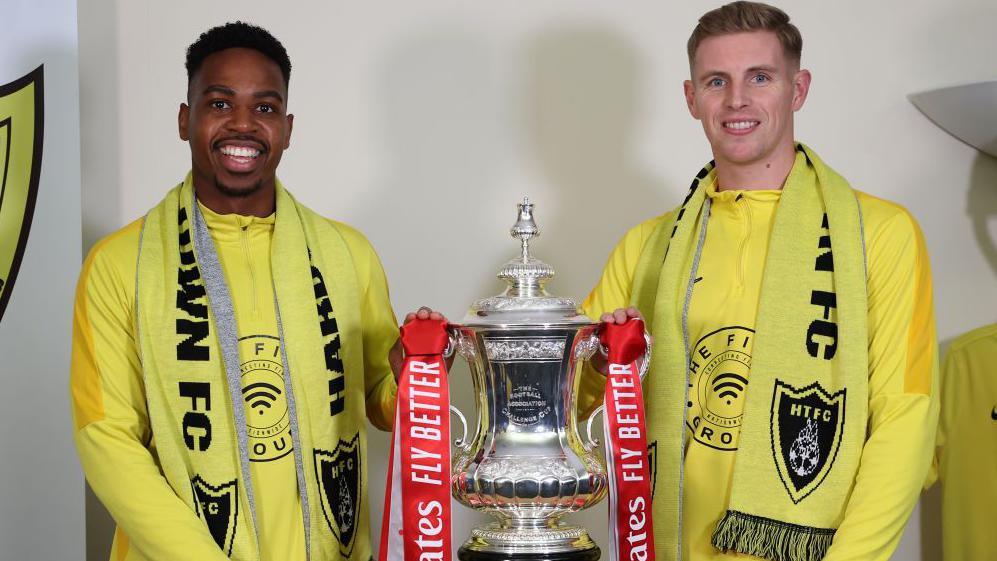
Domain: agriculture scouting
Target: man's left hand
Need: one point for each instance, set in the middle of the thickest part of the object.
(396, 357)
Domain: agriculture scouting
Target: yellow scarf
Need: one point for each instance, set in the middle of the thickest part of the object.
(800, 445)
(189, 351)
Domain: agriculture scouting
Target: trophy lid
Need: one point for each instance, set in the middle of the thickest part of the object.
(525, 301)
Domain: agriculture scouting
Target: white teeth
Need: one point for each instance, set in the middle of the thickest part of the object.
(740, 125)
(240, 151)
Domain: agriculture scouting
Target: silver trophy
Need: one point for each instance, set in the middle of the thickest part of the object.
(526, 463)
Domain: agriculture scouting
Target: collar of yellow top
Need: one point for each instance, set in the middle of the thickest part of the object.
(224, 226)
(729, 196)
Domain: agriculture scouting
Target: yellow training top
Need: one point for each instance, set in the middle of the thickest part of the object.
(113, 434)
(721, 322)
(966, 456)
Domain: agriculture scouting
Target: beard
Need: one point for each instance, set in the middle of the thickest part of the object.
(244, 192)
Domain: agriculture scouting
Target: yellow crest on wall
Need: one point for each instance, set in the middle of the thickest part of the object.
(21, 124)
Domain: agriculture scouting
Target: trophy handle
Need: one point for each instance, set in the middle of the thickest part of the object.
(462, 441)
(593, 443)
(452, 346)
(645, 365)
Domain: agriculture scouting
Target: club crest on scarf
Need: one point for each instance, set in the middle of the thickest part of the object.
(338, 475)
(806, 432)
(21, 125)
(219, 508)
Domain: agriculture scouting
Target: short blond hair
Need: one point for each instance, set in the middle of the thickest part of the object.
(741, 16)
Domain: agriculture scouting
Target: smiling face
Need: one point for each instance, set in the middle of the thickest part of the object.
(745, 89)
(238, 128)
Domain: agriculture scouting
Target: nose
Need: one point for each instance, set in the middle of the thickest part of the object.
(737, 96)
(242, 119)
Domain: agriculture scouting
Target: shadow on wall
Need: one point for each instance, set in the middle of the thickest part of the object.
(981, 206)
(583, 111)
(100, 118)
(100, 173)
(441, 130)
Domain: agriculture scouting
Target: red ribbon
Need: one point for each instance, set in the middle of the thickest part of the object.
(632, 533)
(417, 522)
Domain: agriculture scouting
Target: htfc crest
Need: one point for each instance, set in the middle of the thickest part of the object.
(338, 475)
(806, 428)
(21, 123)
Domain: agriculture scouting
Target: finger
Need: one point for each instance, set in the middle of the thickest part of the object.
(423, 313)
(409, 317)
(606, 318)
(620, 316)
(634, 312)
(436, 316)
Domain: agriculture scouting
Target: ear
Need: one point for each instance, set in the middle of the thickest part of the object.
(287, 137)
(183, 122)
(690, 98)
(801, 87)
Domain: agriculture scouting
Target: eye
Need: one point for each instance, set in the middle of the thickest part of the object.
(716, 82)
(760, 79)
(265, 108)
(219, 104)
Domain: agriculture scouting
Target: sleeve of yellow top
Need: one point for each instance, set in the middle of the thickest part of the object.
(952, 368)
(903, 396)
(380, 331)
(612, 292)
(112, 431)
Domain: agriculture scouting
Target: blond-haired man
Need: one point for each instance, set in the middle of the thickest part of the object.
(792, 399)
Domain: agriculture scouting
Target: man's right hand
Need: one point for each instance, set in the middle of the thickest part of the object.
(621, 315)
(396, 357)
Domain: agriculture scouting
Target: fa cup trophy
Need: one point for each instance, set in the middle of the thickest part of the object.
(524, 462)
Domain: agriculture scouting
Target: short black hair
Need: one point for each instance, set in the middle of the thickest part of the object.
(235, 35)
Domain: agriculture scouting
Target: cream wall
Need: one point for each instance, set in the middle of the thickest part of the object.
(422, 123)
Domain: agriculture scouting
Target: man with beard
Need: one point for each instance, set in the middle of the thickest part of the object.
(228, 346)
(792, 395)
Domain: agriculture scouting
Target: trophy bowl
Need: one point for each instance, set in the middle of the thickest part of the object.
(525, 463)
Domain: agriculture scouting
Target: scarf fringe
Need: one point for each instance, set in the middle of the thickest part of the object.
(771, 539)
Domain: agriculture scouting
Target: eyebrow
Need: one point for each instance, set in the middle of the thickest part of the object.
(711, 74)
(218, 89)
(763, 68)
(268, 93)
(230, 92)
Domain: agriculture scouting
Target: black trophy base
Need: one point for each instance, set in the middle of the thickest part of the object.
(465, 554)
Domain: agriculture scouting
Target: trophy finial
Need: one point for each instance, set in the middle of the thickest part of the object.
(525, 227)
(525, 274)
